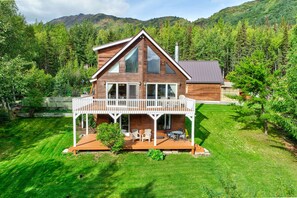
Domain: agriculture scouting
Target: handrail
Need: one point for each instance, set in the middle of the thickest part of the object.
(133, 105)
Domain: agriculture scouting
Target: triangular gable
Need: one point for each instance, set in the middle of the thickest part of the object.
(143, 32)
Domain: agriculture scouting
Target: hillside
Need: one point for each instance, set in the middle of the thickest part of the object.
(106, 21)
(256, 13)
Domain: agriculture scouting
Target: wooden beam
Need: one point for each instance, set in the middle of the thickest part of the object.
(115, 116)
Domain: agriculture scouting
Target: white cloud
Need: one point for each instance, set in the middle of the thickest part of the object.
(47, 10)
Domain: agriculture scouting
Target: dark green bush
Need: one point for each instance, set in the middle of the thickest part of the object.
(156, 154)
(4, 116)
(111, 136)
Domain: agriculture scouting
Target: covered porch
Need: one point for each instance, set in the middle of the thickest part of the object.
(152, 108)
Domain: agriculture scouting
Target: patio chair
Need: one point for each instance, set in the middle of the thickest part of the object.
(147, 135)
(185, 135)
(182, 99)
(135, 135)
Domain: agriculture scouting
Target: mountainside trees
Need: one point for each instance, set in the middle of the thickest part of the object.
(260, 60)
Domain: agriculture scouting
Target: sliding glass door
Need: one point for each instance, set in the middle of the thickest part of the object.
(158, 92)
(118, 93)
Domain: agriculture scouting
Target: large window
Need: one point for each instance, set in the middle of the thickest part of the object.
(164, 122)
(122, 90)
(153, 62)
(131, 61)
(161, 91)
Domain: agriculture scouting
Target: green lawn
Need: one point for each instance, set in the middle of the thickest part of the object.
(243, 162)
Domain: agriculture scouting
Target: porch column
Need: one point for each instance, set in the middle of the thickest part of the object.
(193, 130)
(155, 117)
(74, 127)
(74, 130)
(115, 116)
(82, 120)
(87, 124)
(192, 118)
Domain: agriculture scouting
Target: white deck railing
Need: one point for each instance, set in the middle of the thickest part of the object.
(132, 106)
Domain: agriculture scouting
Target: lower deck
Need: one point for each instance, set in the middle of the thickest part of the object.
(89, 143)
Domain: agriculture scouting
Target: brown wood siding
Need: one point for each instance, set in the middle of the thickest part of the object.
(141, 77)
(105, 54)
(103, 119)
(211, 92)
(146, 122)
(143, 121)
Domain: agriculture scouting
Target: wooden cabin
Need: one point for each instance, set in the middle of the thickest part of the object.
(140, 86)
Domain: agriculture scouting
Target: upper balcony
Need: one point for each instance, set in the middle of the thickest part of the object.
(133, 106)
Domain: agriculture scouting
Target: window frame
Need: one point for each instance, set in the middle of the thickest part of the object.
(167, 65)
(147, 65)
(128, 55)
(166, 89)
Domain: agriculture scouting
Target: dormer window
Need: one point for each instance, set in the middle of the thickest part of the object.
(115, 68)
(168, 69)
(153, 62)
(131, 61)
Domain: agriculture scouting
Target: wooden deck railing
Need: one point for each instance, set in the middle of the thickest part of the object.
(132, 106)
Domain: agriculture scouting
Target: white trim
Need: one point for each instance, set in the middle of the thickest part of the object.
(111, 44)
(142, 32)
(93, 80)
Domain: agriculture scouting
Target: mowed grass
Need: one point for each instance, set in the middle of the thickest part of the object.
(243, 162)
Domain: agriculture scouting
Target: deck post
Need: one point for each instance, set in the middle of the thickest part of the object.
(87, 124)
(193, 130)
(192, 118)
(155, 132)
(74, 130)
(82, 120)
(155, 117)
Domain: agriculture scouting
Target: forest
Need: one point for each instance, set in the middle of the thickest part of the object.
(39, 60)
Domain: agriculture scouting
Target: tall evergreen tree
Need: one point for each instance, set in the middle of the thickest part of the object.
(252, 75)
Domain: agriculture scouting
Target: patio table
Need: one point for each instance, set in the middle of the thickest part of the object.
(177, 133)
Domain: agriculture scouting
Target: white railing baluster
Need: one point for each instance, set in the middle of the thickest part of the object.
(90, 105)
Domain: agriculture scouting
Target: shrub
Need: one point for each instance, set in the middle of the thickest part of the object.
(111, 136)
(156, 154)
(4, 116)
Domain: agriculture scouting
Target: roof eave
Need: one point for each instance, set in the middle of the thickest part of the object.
(142, 32)
(111, 44)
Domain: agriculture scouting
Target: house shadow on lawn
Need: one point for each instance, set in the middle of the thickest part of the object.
(145, 191)
(25, 133)
(200, 131)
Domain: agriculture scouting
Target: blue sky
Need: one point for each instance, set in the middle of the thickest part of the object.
(46, 10)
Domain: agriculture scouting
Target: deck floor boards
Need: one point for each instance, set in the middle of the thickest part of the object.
(89, 143)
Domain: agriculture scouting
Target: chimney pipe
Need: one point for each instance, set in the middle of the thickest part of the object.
(176, 52)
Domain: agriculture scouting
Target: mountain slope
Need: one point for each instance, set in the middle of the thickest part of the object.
(105, 21)
(256, 12)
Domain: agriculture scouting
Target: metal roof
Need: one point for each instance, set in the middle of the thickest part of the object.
(203, 71)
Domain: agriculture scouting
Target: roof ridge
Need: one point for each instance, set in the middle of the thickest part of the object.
(143, 32)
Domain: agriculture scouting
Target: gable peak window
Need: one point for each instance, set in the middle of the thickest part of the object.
(115, 68)
(153, 62)
(169, 70)
(131, 61)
